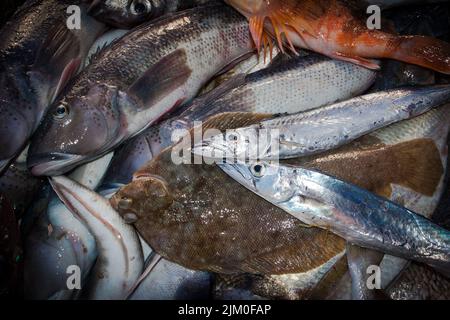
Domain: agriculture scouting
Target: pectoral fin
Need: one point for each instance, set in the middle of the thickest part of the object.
(165, 76)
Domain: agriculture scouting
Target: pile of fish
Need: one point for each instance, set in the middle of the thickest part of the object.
(224, 150)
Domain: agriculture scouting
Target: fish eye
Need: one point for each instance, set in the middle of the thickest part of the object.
(233, 137)
(61, 112)
(258, 170)
(139, 7)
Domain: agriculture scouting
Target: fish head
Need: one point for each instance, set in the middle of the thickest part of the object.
(241, 144)
(78, 128)
(126, 13)
(146, 195)
(263, 178)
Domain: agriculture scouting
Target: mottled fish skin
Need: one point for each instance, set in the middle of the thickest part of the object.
(167, 280)
(286, 287)
(420, 282)
(357, 163)
(322, 201)
(136, 195)
(131, 13)
(38, 55)
(111, 100)
(187, 220)
(323, 129)
(301, 83)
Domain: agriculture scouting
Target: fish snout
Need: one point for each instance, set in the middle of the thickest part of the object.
(51, 164)
(145, 195)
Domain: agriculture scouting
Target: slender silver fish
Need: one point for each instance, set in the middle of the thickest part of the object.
(354, 214)
(136, 80)
(323, 129)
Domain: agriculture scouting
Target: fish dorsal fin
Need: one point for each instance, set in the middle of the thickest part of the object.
(207, 101)
(53, 58)
(234, 120)
(168, 74)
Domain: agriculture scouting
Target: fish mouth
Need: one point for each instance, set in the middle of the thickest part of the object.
(52, 164)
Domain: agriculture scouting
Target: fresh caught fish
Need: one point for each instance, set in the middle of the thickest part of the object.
(139, 78)
(301, 83)
(358, 216)
(167, 280)
(199, 220)
(338, 29)
(91, 174)
(59, 240)
(254, 63)
(120, 260)
(325, 128)
(162, 172)
(38, 55)
(358, 164)
(130, 13)
(170, 281)
(56, 241)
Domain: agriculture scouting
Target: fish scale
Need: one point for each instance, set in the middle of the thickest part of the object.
(134, 82)
(302, 83)
(37, 56)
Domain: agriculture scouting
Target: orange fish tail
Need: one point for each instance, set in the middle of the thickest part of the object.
(424, 51)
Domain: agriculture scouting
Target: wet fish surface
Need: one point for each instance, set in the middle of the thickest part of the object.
(323, 129)
(338, 29)
(139, 78)
(38, 55)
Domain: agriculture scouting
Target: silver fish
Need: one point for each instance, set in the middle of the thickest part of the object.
(138, 79)
(56, 241)
(38, 56)
(323, 129)
(59, 240)
(354, 214)
(120, 260)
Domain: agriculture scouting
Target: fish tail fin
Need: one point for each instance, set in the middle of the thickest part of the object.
(424, 51)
